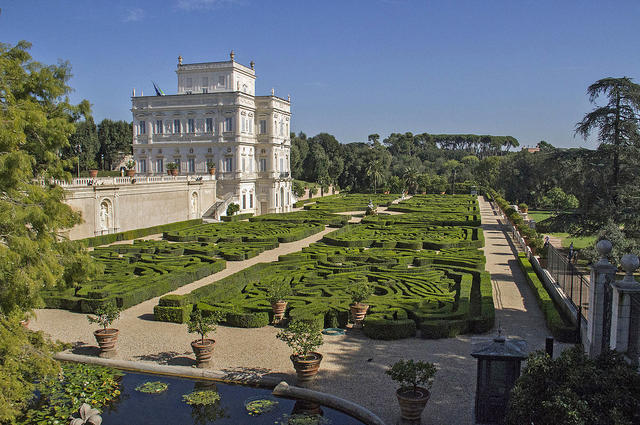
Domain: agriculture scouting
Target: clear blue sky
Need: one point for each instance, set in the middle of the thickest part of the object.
(511, 67)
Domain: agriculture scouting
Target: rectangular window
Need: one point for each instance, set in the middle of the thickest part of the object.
(288, 200)
(228, 164)
(143, 127)
(178, 163)
(221, 80)
(251, 200)
(250, 125)
(263, 126)
(189, 82)
(208, 125)
(159, 166)
(282, 129)
(243, 124)
(263, 164)
(168, 127)
(142, 165)
(205, 83)
(243, 165)
(228, 124)
(281, 165)
(176, 126)
(192, 165)
(191, 125)
(244, 202)
(276, 200)
(159, 127)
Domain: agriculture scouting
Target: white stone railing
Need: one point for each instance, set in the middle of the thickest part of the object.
(116, 181)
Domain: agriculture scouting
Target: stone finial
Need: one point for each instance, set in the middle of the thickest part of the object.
(179, 60)
(253, 65)
(604, 248)
(289, 98)
(629, 263)
(134, 92)
(273, 91)
(232, 55)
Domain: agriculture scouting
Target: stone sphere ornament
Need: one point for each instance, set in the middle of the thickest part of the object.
(630, 263)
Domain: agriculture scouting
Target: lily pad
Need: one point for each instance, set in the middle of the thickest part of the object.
(152, 387)
(258, 405)
(202, 398)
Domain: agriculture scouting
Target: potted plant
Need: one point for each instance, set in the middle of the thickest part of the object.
(524, 208)
(107, 337)
(211, 166)
(277, 293)
(411, 396)
(359, 293)
(303, 338)
(203, 325)
(172, 169)
(131, 168)
(92, 166)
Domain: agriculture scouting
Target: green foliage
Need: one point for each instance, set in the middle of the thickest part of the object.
(36, 121)
(203, 398)
(115, 141)
(25, 358)
(277, 291)
(619, 240)
(152, 387)
(138, 233)
(573, 389)
(410, 374)
(258, 407)
(106, 314)
(211, 164)
(131, 164)
(524, 207)
(360, 291)
(172, 166)
(237, 217)
(301, 337)
(232, 209)
(60, 397)
(558, 200)
(203, 324)
(298, 188)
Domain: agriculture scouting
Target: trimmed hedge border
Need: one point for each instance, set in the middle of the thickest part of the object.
(139, 233)
(560, 329)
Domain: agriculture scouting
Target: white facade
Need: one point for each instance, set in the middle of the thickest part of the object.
(217, 118)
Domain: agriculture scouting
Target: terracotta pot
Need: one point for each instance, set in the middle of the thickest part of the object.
(412, 404)
(306, 366)
(203, 351)
(358, 313)
(212, 170)
(93, 173)
(131, 173)
(279, 308)
(107, 339)
(173, 172)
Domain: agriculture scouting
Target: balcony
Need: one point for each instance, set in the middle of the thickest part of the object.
(284, 175)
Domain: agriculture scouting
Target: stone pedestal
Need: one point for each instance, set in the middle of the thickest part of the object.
(602, 275)
(621, 310)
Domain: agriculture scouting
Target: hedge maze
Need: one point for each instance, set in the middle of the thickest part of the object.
(350, 202)
(426, 276)
(147, 269)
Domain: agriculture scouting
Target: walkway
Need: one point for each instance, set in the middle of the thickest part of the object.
(353, 365)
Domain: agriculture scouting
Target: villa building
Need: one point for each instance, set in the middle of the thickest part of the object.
(216, 119)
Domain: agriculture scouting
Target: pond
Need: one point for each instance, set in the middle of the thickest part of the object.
(237, 405)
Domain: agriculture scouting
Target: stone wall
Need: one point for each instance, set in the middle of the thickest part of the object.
(111, 205)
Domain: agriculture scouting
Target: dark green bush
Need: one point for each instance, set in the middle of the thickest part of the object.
(248, 319)
(376, 327)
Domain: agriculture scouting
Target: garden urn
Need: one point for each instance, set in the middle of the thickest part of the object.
(107, 339)
(306, 366)
(412, 403)
(358, 313)
(203, 349)
(279, 308)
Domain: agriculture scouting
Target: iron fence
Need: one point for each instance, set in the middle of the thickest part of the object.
(574, 284)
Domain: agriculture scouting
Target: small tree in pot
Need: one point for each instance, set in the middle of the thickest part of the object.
(277, 293)
(211, 166)
(412, 397)
(172, 168)
(360, 291)
(131, 168)
(92, 166)
(303, 338)
(203, 325)
(107, 337)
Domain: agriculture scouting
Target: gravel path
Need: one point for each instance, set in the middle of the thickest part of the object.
(353, 365)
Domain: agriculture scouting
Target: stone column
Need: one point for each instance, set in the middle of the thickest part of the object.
(602, 274)
(621, 304)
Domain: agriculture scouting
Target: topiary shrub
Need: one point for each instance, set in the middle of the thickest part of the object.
(377, 327)
(257, 319)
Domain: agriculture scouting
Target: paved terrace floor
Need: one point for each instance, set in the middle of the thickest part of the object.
(353, 365)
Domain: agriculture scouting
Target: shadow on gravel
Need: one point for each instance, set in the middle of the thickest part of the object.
(82, 348)
(147, 316)
(169, 358)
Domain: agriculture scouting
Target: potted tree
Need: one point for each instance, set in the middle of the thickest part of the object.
(211, 166)
(303, 338)
(411, 396)
(107, 337)
(203, 325)
(131, 168)
(172, 169)
(359, 293)
(277, 293)
(92, 166)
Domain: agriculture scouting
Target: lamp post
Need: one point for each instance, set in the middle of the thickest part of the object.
(102, 160)
(78, 151)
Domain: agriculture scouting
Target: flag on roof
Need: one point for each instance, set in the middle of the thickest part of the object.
(159, 91)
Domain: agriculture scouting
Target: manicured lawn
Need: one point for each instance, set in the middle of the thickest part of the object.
(538, 215)
(579, 242)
